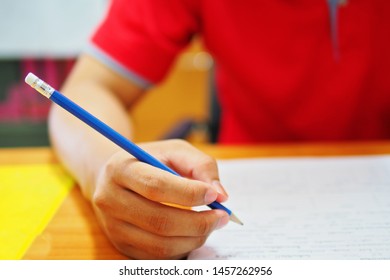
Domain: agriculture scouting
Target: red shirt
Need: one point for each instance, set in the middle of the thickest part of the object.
(280, 76)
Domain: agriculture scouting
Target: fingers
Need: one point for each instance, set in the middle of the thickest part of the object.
(190, 162)
(222, 194)
(157, 218)
(139, 244)
(128, 199)
(195, 164)
(161, 186)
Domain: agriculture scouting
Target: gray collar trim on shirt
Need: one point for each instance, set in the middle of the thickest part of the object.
(109, 61)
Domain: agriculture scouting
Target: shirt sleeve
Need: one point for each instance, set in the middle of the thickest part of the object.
(141, 38)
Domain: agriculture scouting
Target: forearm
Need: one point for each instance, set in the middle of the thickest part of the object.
(81, 149)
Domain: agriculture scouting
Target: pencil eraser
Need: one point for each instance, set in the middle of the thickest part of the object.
(30, 79)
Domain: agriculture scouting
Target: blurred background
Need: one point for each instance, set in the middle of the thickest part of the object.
(46, 36)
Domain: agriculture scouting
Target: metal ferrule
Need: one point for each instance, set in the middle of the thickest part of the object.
(43, 88)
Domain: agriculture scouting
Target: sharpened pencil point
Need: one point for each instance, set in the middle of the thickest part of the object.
(234, 218)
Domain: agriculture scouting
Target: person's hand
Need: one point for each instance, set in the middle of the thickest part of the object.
(128, 196)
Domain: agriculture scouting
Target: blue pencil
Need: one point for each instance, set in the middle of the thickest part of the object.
(58, 98)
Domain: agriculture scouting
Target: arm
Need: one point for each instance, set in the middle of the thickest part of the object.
(125, 193)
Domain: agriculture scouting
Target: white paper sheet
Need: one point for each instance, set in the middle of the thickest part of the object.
(305, 208)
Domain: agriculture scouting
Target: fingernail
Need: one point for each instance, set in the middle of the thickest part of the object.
(222, 222)
(210, 196)
(218, 186)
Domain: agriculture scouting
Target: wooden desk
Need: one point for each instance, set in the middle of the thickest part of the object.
(74, 232)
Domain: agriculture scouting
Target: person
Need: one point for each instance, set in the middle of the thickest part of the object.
(285, 71)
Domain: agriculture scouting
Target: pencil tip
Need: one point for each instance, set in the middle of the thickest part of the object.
(234, 218)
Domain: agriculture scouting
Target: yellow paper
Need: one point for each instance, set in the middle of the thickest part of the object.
(29, 197)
